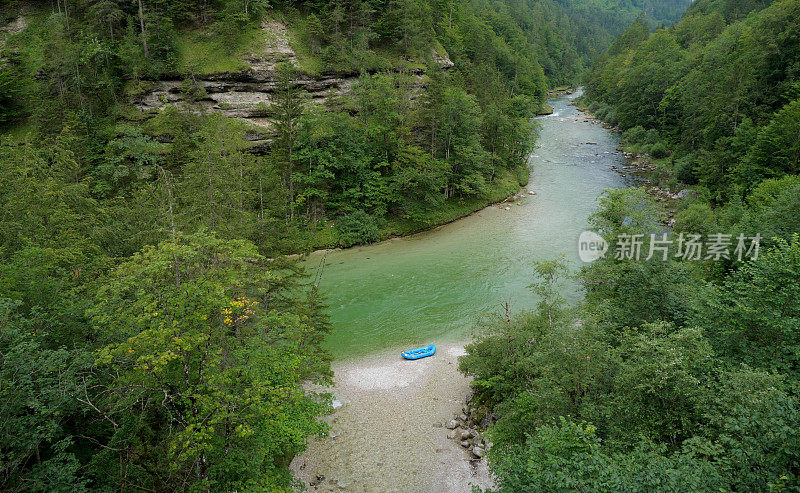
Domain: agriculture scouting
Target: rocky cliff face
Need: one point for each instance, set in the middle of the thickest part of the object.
(245, 95)
(248, 94)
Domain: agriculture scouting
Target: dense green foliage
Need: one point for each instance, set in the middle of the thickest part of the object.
(660, 381)
(383, 149)
(718, 91)
(151, 335)
(193, 335)
(180, 367)
(673, 375)
(560, 35)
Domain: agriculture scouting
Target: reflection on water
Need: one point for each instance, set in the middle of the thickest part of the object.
(432, 287)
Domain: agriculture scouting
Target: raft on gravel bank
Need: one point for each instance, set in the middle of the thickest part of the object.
(420, 352)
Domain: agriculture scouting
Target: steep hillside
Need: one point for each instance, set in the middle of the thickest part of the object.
(731, 10)
(718, 92)
(663, 375)
(453, 81)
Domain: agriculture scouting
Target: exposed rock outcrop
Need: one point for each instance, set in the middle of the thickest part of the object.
(248, 94)
(442, 61)
(239, 95)
(14, 27)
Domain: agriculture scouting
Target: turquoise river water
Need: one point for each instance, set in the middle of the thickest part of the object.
(432, 287)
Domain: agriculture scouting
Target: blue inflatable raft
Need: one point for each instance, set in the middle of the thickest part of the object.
(420, 352)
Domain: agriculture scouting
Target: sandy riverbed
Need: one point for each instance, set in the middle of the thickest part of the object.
(389, 434)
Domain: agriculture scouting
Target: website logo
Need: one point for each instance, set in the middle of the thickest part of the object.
(591, 246)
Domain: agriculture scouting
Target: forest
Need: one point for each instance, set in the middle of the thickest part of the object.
(154, 334)
(671, 375)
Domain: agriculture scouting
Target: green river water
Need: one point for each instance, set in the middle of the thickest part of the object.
(432, 287)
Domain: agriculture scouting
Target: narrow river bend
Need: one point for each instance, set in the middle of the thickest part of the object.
(430, 288)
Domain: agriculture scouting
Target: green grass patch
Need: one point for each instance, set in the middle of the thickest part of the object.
(204, 52)
(30, 45)
(307, 62)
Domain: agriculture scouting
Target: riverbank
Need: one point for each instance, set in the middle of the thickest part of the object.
(517, 197)
(388, 431)
(506, 185)
(657, 176)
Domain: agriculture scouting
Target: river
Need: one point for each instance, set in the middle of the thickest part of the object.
(387, 431)
(431, 288)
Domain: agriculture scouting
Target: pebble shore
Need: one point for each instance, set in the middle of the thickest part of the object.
(390, 428)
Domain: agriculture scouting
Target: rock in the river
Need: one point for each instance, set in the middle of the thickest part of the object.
(462, 417)
(454, 434)
(464, 443)
(465, 434)
(478, 451)
(452, 424)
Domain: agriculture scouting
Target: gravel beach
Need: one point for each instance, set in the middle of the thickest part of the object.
(388, 434)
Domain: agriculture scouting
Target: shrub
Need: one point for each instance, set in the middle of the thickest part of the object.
(611, 117)
(260, 110)
(651, 137)
(684, 170)
(192, 90)
(358, 227)
(330, 55)
(634, 135)
(659, 150)
(10, 96)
